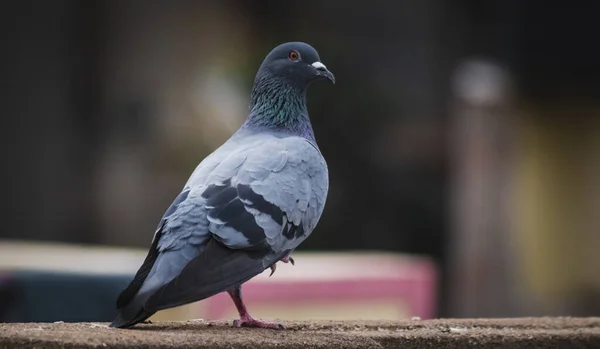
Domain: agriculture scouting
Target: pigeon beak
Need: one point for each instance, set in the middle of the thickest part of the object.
(323, 72)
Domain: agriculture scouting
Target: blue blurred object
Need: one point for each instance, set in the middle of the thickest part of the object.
(37, 296)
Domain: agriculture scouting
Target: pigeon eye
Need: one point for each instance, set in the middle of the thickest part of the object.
(294, 56)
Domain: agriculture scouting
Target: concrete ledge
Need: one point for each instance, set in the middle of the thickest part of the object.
(477, 333)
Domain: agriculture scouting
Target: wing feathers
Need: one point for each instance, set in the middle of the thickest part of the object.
(127, 295)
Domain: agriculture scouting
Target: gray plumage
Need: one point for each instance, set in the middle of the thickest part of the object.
(247, 205)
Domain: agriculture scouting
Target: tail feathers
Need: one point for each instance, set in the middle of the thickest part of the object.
(132, 303)
(131, 314)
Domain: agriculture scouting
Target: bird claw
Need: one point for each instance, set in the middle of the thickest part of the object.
(286, 259)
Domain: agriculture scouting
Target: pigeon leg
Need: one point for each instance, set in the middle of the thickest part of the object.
(245, 319)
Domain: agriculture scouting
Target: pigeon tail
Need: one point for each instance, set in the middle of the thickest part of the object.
(131, 314)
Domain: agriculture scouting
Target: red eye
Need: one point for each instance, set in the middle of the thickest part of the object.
(294, 56)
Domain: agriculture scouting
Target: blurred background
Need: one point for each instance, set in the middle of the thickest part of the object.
(463, 141)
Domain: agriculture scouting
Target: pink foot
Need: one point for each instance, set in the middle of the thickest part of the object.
(248, 321)
(245, 319)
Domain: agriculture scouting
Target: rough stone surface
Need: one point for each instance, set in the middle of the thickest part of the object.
(198, 334)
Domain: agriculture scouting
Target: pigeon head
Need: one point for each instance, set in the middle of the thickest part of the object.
(297, 63)
(278, 98)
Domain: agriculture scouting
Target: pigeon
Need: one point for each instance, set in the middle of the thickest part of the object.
(246, 206)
